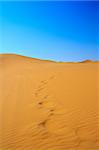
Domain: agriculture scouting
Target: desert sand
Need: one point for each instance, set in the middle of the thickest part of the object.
(46, 105)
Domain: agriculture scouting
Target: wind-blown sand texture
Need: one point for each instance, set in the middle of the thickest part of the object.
(46, 105)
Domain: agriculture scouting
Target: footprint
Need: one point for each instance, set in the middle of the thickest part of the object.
(40, 89)
(45, 97)
(43, 123)
(51, 112)
(52, 77)
(40, 103)
(41, 86)
(36, 94)
(44, 82)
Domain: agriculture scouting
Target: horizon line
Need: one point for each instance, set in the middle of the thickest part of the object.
(51, 60)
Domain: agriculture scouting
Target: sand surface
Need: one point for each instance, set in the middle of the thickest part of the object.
(46, 105)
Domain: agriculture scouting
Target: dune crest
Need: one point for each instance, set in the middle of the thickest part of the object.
(87, 61)
(48, 106)
(20, 57)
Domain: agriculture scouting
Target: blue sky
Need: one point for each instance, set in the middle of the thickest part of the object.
(60, 30)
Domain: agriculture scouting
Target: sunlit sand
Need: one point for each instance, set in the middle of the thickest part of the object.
(46, 105)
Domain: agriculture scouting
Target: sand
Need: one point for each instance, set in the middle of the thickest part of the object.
(46, 105)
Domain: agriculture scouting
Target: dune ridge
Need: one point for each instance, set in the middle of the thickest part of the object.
(14, 56)
(48, 106)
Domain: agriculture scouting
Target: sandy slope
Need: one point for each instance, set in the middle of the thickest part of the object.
(48, 106)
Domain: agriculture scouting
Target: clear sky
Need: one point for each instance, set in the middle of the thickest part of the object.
(61, 30)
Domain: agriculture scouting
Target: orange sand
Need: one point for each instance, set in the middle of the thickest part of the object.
(46, 105)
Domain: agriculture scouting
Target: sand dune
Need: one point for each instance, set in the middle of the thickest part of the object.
(46, 105)
(88, 61)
